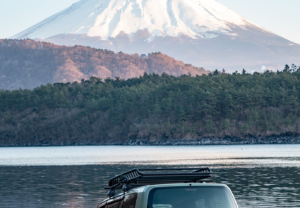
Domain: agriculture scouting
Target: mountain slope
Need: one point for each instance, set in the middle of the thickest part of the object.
(200, 32)
(28, 64)
(105, 19)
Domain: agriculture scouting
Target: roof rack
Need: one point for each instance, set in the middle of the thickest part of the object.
(136, 178)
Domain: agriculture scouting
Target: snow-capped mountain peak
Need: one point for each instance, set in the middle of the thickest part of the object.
(200, 32)
(108, 18)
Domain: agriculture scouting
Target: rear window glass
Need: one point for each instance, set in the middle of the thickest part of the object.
(191, 197)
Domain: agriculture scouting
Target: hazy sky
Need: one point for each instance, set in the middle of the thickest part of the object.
(279, 16)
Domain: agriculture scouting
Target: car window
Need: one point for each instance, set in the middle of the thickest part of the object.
(129, 201)
(191, 197)
(114, 204)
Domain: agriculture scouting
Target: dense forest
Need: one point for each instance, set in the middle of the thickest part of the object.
(153, 107)
(28, 64)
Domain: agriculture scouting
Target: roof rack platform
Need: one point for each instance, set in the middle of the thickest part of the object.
(141, 177)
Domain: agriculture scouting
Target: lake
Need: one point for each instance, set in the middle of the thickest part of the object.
(39, 177)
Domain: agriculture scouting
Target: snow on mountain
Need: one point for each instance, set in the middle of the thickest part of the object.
(108, 18)
(200, 32)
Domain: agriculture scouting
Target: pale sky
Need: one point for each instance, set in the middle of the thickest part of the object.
(279, 16)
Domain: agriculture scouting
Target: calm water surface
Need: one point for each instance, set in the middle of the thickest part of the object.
(259, 175)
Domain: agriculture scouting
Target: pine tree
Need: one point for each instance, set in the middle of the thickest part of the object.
(286, 68)
(244, 72)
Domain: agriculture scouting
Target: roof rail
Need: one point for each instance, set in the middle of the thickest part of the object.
(136, 178)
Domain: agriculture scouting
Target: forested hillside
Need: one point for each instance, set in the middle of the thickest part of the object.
(28, 64)
(152, 108)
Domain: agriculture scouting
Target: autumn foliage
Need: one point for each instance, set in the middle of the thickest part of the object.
(28, 64)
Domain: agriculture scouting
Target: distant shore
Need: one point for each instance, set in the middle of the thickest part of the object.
(214, 141)
(177, 142)
(218, 109)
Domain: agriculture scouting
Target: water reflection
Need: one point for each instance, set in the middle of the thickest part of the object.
(82, 186)
(250, 154)
(256, 181)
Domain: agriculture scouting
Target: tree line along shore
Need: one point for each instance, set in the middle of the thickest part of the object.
(155, 109)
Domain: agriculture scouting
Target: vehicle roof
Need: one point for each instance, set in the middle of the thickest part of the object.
(186, 184)
(147, 188)
(182, 185)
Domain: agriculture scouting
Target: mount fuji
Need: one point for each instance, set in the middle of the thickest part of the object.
(200, 32)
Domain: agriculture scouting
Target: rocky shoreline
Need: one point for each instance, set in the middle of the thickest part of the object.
(177, 142)
(212, 141)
